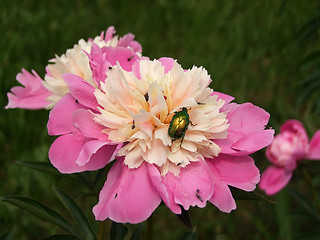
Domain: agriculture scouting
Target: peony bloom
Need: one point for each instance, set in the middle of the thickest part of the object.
(288, 148)
(128, 115)
(46, 93)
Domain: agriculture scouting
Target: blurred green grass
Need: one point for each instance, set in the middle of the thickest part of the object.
(248, 47)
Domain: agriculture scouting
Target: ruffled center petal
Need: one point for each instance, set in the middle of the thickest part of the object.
(137, 109)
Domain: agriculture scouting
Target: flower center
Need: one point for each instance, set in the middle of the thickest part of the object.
(161, 122)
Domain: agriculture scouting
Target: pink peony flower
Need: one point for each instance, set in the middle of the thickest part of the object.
(39, 94)
(127, 116)
(288, 148)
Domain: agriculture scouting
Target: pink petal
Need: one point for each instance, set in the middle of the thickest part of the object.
(128, 41)
(239, 172)
(167, 198)
(60, 117)
(246, 133)
(102, 157)
(90, 149)
(224, 97)
(192, 187)
(274, 179)
(81, 90)
(109, 34)
(167, 63)
(254, 142)
(125, 56)
(125, 40)
(98, 64)
(84, 121)
(136, 46)
(127, 196)
(222, 198)
(290, 162)
(225, 144)
(294, 126)
(247, 118)
(64, 152)
(314, 147)
(32, 96)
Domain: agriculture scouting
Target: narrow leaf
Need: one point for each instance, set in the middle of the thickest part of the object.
(86, 178)
(314, 235)
(40, 210)
(303, 203)
(7, 236)
(312, 77)
(137, 233)
(310, 59)
(40, 166)
(77, 214)
(190, 235)
(184, 217)
(307, 91)
(239, 194)
(101, 176)
(118, 231)
(61, 237)
(309, 28)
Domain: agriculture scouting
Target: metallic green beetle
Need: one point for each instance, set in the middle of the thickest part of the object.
(179, 124)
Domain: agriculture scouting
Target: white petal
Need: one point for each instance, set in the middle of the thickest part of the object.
(188, 145)
(162, 134)
(158, 153)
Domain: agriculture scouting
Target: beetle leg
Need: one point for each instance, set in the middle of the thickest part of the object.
(133, 125)
(192, 123)
(181, 141)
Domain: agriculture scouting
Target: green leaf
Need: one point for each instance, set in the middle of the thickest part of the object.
(312, 77)
(118, 231)
(282, 7)
(190, 235)
(284, 220)
(40, 166)
(314, 235)
(308, 90)
(86, 178)
(137, 233)
(310, 59)
(304, 203)
(239, 194)
(102, 175)
(77, 214)
(40, 210)
(309, 28)
(7, 236)
(184, 217)
(61, 237)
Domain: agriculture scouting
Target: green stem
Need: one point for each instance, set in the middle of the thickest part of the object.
(313, 189)
(102, 230)
(150, 228)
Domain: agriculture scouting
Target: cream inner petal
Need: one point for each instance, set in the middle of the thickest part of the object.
(74, 61)
(138, 112)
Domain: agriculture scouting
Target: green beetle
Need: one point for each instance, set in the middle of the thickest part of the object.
(179, 124)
